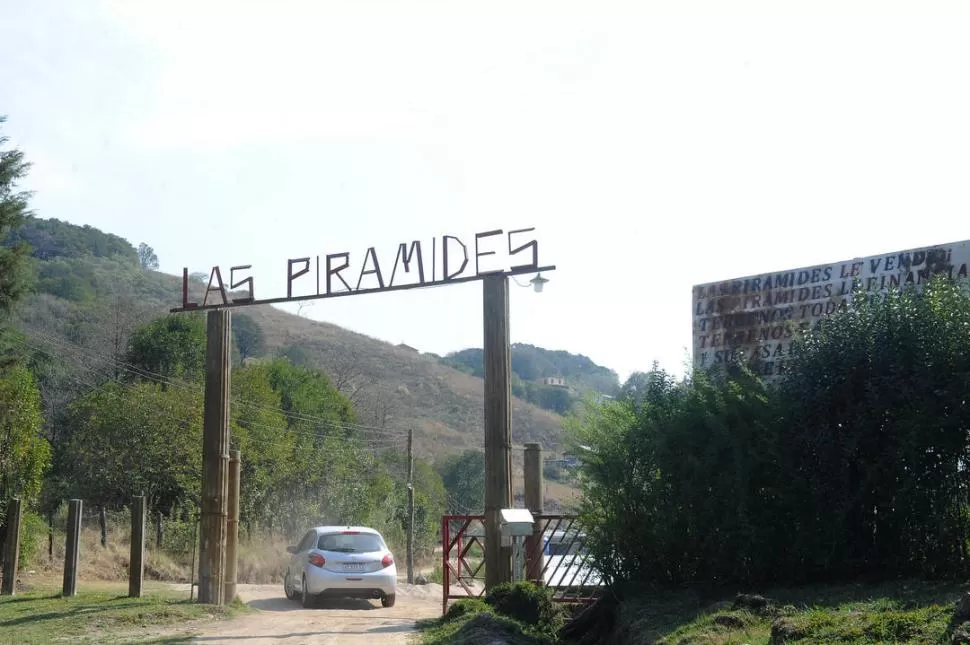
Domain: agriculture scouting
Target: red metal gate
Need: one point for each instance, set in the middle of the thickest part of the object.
(554, 557)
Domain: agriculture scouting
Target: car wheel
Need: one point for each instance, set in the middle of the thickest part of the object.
(305, 597)
(388, 600)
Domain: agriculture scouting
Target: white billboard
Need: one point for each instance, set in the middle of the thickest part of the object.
(755, 317)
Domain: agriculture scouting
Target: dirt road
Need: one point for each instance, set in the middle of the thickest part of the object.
(335, 622)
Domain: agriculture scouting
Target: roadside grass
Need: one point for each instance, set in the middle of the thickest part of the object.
(897, 612)
(102, 613)
(903, 612)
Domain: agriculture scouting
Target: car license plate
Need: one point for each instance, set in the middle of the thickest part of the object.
(353, 566)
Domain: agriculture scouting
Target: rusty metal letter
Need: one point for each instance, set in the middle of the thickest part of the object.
(245, 281)
(217, 276)
(185, 291)
(444, 257)
(404, 257)
(331, 271)
(371, 254)
(533, 245)
(480, 254)
(290, 276)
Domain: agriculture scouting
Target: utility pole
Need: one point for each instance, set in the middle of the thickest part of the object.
(533, 502)
(232, 526)
(71, 547)
(410, 506)
(215, 459)
(498, 426)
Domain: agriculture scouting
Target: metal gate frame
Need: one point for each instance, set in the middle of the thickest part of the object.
(576, 582)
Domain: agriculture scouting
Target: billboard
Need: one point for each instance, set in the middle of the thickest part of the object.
(754, 318)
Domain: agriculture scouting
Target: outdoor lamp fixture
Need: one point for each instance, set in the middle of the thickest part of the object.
(537, 282)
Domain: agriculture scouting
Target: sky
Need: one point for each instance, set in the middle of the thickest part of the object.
(652, 145)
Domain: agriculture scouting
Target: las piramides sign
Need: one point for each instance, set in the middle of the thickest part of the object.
(754, 318)
(450, 260)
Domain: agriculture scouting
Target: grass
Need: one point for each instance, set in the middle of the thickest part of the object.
(102, 613)
(900, 612)
(910, 612)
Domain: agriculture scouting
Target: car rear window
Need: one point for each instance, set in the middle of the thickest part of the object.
(350, 542)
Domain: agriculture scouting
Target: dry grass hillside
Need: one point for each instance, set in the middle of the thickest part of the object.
(400, 388)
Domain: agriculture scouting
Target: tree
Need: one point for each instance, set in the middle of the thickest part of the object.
(248, 335)
(147, 257)
(131, 439)
(168, 348)
(464, 480)
(13, 211)
(24, 453)
(878, 431)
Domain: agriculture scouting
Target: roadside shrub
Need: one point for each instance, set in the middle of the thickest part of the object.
(527, 603)
(33, 535)
(467, 606)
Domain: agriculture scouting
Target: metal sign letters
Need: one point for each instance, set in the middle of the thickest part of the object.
(335, 274)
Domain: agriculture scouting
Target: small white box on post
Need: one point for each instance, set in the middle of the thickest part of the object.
(516, 524)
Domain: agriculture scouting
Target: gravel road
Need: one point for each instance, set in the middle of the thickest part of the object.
(335, 622)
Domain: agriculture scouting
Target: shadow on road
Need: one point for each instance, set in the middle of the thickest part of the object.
(284, 604)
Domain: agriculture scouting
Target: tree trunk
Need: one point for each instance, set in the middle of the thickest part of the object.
(158, 529)
(103, 523)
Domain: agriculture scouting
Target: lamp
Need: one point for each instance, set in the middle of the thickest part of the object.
(537, 282)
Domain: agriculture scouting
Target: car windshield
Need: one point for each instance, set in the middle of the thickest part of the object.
(350, 542)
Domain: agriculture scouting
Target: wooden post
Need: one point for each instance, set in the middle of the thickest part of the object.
(136, 561)
(410, 506)
(215, 460)
(498, 426)
(103, 523)
(11, 551)
(232, 525)
(71, 547)
(533, 502)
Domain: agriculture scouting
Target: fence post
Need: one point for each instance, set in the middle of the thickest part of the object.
(71, 547)
(533, 502)
(11, 552)
(232, 526)
(136, 563)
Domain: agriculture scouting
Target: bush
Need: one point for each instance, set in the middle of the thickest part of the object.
(33, 537)
(467, 606)
(527, 603)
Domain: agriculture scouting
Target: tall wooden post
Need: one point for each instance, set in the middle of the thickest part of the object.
(71, 547)
(11, 551)
(136, 561)
(533, 502)
(498, 426)
(232, 525)
(410, 506)
(215, 460)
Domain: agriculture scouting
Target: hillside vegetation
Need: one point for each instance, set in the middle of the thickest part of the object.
(92, 291)
(531, 365)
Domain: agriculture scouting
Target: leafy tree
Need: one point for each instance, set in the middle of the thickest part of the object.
(878, 431)
(169, 347)
(464, 480)
(24, 453)
(13, 211)
(147, 257)
(248, 336)
(134, 439)
(679, 481)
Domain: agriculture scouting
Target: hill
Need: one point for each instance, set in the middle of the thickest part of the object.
(93, 290)
(550, 379)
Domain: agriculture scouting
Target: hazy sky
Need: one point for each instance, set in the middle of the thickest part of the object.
(653, 145)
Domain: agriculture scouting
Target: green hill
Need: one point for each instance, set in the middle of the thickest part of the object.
(551, 379)
(92, 291)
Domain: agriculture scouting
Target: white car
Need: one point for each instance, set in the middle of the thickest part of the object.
(345, 561)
